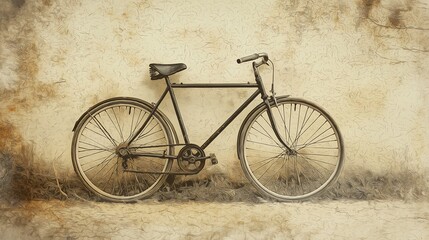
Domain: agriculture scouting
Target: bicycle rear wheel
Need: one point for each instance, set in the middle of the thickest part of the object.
(97, 141)
(309, 131)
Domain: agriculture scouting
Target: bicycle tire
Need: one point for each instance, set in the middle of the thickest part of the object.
(307, 129)
(95, 155)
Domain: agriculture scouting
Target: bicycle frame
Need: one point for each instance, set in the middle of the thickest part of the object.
(169, 89)
(124, 148)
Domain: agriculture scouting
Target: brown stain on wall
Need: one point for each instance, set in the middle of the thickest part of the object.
(387, 14)
(18, 3)
(11, 139)
(366, 7)
(47, 3)
(395, 18)
(28, 91)
(28, 55)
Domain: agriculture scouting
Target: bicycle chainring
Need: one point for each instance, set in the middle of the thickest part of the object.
(189, 158)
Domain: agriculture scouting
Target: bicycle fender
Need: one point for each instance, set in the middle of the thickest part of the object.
(169, 124)
(261, 105)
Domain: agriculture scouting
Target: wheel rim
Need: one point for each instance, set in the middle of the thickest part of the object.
(307, 130)
(97, 152)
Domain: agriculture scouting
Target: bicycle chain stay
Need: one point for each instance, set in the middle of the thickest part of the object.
(190, 154)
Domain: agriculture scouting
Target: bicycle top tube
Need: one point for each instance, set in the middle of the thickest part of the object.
(165, 70)
(214, 85)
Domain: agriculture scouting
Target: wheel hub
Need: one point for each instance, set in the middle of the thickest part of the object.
(291, 152)
(122, 150)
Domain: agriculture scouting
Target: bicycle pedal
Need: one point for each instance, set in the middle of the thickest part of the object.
(213, 158)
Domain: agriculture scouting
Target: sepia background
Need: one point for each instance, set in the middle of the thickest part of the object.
(364, 61)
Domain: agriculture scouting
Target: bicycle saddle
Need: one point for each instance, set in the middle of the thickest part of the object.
(159, 71)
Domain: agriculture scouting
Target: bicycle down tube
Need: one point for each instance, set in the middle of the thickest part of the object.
(169, 89)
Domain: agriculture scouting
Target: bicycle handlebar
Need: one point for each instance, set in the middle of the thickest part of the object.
(253, 57)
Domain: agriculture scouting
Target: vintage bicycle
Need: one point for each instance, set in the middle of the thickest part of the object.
(123, 148)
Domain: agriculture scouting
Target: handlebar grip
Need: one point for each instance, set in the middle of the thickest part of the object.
(253, 57)
(248, 58)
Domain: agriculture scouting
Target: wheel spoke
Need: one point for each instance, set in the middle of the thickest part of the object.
(266, 170)
(117, 122)
(283, 117)
(316, 160)
(93, 144)
(301, 132)
(266, 144)
(260, 150)
(148, 133)
(268, 135)
(105, 132)
(97, 133)
(307, 128)
(266, 160)
(95, 147)
(317, 150)
(143, 130)
(297, 125)
(92, 154)
(133, 131)
(102, 159)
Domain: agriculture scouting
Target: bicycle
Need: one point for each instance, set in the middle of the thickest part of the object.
(123, 148)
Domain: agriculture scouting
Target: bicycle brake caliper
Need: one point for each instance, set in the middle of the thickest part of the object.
(274, 99)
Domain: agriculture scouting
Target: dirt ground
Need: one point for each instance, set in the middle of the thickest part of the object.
(150, 219)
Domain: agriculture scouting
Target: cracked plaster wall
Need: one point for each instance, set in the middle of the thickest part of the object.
(364, 61)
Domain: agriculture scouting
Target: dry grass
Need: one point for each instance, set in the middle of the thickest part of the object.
(213, 188)
(362, 184)
(25, 177)
(359, 184)
(28, 178)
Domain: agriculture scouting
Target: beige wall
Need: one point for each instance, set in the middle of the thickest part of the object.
(363, 61)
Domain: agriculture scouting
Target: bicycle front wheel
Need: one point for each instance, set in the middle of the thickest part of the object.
(96, 146)
(309, 131)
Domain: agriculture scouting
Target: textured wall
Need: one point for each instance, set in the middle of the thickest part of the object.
(363, 61)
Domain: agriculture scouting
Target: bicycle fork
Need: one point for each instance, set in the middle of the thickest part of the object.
(276, 130)
(266, 101)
